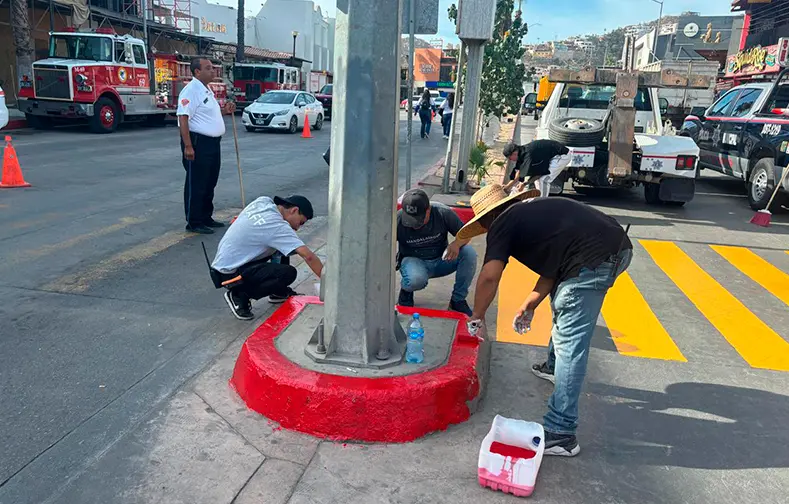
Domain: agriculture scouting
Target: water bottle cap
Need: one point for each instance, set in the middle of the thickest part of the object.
(416, 315)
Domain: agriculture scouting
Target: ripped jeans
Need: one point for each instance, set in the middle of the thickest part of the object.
(576, 304)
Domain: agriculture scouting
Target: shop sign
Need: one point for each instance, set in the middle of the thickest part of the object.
(210, 26)
(756, 60)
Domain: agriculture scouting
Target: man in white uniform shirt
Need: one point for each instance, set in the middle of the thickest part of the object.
(256, 248)
(202, 126)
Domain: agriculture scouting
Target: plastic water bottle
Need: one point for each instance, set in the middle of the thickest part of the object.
(414, 347)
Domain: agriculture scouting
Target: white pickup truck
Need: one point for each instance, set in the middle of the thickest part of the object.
(578, 116)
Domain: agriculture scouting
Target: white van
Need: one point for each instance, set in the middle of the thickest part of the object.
(3, 110)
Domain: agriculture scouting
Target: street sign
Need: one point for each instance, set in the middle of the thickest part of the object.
(425, 18)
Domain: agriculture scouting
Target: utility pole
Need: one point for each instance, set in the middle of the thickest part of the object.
(453, 126)
(359, 327)
(410, 95)
(657, 31)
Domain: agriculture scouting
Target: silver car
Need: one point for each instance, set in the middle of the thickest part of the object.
(3, 110)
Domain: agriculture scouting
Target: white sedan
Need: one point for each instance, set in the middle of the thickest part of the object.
(3, 110)
(284, 110)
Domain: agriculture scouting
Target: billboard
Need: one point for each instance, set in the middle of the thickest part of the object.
(427, 64)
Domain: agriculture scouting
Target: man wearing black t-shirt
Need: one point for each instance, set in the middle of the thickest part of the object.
(578, 252)
(425, 251)
(537, 163)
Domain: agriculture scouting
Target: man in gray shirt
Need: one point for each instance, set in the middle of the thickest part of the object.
(254, 253)
(425, 251)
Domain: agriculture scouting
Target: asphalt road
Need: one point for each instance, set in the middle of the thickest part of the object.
(105, 302)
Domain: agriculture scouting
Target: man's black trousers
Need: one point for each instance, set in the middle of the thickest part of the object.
(202, 175)
(263, 278)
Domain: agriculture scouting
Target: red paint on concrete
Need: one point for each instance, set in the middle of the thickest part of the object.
(14, 124)
(393, 409)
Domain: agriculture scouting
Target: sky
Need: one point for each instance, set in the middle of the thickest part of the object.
(552, 19)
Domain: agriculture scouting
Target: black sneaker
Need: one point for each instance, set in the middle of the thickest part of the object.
(281, 298)
(460, 306)
(199, 229)
(405, 298)
(240, 307)
(214, 224)
(561, 445)
(543, 371)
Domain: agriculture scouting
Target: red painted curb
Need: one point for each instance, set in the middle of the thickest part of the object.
(14, 124)
(392, 410)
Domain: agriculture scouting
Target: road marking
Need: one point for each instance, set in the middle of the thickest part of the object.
(775, 281)
(516, 283)
(81, 281)
(48, 249)
(635, 329)
(758, 344)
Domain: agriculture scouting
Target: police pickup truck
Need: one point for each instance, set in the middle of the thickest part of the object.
(745, 134)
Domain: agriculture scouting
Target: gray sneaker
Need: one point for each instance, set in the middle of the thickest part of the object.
(561, 445)
(543, 371)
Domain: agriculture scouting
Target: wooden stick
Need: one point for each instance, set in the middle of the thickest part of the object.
(777, 188)
(238, 162)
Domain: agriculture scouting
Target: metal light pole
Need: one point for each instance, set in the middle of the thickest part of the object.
(451, 141)
(476, 51)
(295, 34)
(359, 327)
(657, 31)
(410, 95)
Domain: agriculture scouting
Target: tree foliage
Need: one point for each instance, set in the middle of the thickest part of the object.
(503, 71)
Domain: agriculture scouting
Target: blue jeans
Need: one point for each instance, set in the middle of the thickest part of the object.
(416, 272)
(447, 122)
(576, 305)
(426, 116)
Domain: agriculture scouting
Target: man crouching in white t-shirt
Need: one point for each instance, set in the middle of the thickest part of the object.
(257, 247)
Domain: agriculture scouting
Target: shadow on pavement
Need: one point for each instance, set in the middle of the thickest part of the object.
(694, 425)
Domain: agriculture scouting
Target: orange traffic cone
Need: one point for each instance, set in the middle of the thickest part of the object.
(305, 133)
(12, 173)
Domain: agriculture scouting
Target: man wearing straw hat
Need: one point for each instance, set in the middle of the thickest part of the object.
(578, 252)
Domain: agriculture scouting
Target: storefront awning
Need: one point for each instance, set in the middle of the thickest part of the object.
(256, 52)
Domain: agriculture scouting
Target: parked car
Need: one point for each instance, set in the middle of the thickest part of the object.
(284, 110)
(3, 110)
(745, 134)
(324, 96)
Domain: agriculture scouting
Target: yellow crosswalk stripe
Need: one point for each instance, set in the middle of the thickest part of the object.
(774, 281)
(635, 329)
(758, 344)
(516, 283)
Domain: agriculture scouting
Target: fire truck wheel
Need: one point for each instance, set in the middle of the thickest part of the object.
(652, 193)
(294, 125)
(318, 123)
(105, 116)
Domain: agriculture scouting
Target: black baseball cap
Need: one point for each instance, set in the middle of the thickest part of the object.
(303, 204)
(415, 204)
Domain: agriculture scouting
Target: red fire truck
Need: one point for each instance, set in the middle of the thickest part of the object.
(250, 80)
(104, 78)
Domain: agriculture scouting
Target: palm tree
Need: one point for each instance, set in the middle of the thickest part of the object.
(20, 26)
(240, 44)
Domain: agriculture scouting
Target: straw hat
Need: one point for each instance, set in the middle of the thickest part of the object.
(485, 200)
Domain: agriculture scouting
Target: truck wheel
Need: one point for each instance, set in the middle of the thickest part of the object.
(652, 194)
(761, 184)
(576, 131)
(38, 122)
(105, 116)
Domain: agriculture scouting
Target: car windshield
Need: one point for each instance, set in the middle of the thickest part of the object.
(597, 97)
(80, 47)
(255, 73)
(276, 98)
(325, 89)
